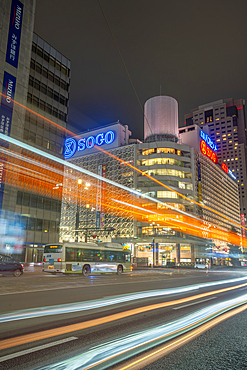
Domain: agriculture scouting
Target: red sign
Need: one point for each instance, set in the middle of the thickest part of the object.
(224, 167)
(208, 152)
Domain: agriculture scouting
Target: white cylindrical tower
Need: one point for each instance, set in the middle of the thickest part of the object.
(161, 114)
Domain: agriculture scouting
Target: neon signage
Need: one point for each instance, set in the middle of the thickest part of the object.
(206, 150)
(71, 145)
(227, 170)
(208, 141)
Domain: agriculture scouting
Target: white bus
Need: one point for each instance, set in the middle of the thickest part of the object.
(84, 258)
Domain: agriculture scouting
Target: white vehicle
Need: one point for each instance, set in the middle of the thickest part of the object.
(84, 258)
(201, 265)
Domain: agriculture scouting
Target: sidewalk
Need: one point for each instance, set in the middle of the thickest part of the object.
(32, 267)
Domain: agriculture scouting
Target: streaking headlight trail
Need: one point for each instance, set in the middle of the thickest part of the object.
(98, 303)
(107, 354)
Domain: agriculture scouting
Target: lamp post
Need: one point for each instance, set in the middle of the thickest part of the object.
(77, 217)
(153, 245)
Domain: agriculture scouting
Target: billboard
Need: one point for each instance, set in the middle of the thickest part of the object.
(12, 233)
(13, 46)
(7, 103)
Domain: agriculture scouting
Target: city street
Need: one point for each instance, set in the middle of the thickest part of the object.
(123, 172)
(52, 318)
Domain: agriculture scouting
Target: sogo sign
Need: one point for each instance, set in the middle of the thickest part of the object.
(71, 145)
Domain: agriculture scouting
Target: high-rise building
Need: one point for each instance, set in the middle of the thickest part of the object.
(226, 124)
(36, 75)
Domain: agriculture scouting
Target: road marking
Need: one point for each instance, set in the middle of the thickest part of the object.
(28, 338)
(35, 349)
(191, 304)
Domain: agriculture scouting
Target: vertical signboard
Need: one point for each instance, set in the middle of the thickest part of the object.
(102, 221)
(242, 218)
(13, 46)
(2, 175)
(6, 111)
(98, 199)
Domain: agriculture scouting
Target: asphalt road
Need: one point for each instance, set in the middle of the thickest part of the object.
(93, 328)
(223, 347)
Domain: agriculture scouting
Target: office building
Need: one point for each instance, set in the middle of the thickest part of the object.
(226, 125)
(37, 76)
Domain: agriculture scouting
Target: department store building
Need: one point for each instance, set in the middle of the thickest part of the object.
(185, 162)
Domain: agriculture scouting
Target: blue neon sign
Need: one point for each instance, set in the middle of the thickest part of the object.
(209, 141)
(71, 145)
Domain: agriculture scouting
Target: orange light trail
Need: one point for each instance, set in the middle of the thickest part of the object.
(28, 338)
(37, 179)
(167, 187)
(133, 167)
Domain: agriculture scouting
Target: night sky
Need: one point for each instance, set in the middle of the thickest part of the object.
(195, 50)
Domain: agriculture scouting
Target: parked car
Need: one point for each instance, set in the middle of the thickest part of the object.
(8, 266)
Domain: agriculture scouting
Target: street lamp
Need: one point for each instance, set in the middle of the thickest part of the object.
(153, 244)
(77, 221)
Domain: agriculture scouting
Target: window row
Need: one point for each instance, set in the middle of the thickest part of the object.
(37, 201)
(42, 123)
(49, 75)
(159, 150)
(49, 59)
(154, 161)
(39, 103)
(42, 141)
(38, 224)
(168, 172)
(47, 90)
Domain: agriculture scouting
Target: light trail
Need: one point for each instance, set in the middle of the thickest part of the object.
(171, 189)
(106, 302)
(40, 116)
(183, 339)
(28, 338)
(235, 240)
(132, 205)
(80, 169)
(117, 350)
(128, 164)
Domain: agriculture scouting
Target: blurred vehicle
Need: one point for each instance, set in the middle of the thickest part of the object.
(8, 266)
(201, 265)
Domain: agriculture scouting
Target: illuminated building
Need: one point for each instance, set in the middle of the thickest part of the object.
(187, 166)
(215, 186)
(37, 76)
(79, 208)
(226, 125)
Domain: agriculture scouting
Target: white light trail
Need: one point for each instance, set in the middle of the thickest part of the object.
(98, 303)
(135, 343)
(132, 205)
(86, 172)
